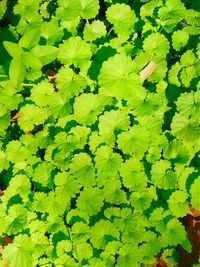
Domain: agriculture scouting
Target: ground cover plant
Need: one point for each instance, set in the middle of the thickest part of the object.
(99, 132)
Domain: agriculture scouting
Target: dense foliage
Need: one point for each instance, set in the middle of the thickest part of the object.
(98, 166)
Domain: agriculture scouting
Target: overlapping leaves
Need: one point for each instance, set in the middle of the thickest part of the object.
(97, 164)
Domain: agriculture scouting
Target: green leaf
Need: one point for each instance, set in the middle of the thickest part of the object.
(135, 141)
(179, 39)
(16, 220)
(26, 9)
(133, 175)
(68, 10)
(83, 251)
(178, 204)
(156, 45)
(188, 104)
(62, 247)
(122, 17)
(40, 93)
(3, 161)
(173, 74)
(13, 49)
(128, 255)
(144, 103)
(194, 191)
(162, 175)
(80, 232)
(30, 116)
(46, 53)
(100, 232)
(40, 243)
(89, 8)
(17, 72)
(87, 107)
(4, 118)
(9, 96)
(59, 105)
(66, 184)
(16, 152)
(19, 254)
(70, 83)
(3, 6)
(112, 121)
(90, 200)
(96, 29)
(171, 13)
(107, 162)
(113, 193)
(74, 51)
(185, 128)
(51, 31)
(177, 151)
(33, 66)
(42, 173)
(175, 232)
(82, 169)
(118, 78)
(30, 38)
(19, 184)
(141, 201)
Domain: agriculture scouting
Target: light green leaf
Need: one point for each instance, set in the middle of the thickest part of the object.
(87, 107)
(30, 116)
(13, 49)
(118, 78)
(89, 9)
(19, 254)
(122, 17)
(94, 30)
(19, 184)
(163, 176)
(113, 192)
(156, 45)
(90, 200)
(42, 173)
(3, 161)
(45, 53)
(107, 162)
(80, 232)
(74, 51)
(40, 93)
(16, 220)
(100, 231)
(176, 233)
(66, 184)
(188, 104)
(178, 204)
(185, 128)
(141, 201)
(68, 9)
(83, 251)
(16, 152)
(51, 31)
(113, 121)
(30, 38)
(82, 169)
(179, 39)
(69, 82)
(133, 175)
(17, 72)
(194, 191)
(135, 141)
(144, 103)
